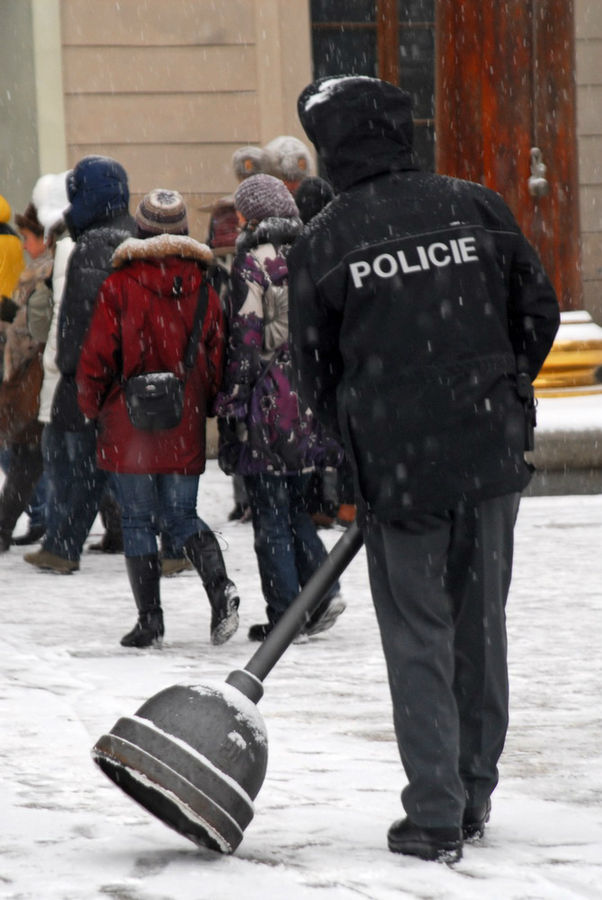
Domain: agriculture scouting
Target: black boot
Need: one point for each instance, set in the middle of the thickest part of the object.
(474, 821)
(33, 535)
(144, 573)
(204, 553)
(260, 632)
(437, 844)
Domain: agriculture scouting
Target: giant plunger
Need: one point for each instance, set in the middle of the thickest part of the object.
(195, 756)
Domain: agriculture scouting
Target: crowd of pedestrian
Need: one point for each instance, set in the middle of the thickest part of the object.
(94, 295)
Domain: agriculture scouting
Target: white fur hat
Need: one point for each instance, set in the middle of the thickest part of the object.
(49, 196)
(289, 158)
(249, 160)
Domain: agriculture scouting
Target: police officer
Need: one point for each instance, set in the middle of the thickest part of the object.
(417, 311)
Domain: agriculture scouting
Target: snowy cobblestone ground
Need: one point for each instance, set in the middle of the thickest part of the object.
(333, 780)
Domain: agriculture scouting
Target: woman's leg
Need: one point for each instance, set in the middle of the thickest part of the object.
(274, 541)
(25, 469)
(77, 485)
(138, 499)
(177, 507)
(310, 552)
(139, 502)
(57, 471)
(177, 515)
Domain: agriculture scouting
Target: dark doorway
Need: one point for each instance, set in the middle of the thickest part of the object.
(389, 39)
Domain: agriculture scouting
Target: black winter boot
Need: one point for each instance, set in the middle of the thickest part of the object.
(204, 553)
(144, 573)
(33, 535)
(436, 844)
(474, 821)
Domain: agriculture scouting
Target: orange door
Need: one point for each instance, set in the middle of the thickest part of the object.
(505, 84)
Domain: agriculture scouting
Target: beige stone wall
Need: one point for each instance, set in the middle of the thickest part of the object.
(171, 89)
(588, 28)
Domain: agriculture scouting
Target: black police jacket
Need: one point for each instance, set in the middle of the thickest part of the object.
(414, 302)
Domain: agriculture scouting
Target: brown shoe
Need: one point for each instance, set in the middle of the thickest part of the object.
(51, 563)
(321, 520)
(170, 567)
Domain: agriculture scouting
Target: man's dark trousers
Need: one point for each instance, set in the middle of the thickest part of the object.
(439, 585)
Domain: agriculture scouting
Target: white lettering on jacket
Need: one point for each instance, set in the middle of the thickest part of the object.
(420, 259)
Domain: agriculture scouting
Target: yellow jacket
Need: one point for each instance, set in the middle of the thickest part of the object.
(11, 252)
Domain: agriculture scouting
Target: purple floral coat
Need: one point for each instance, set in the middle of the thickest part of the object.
(262, 428)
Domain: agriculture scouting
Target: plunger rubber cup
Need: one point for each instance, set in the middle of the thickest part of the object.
(196, 756)
(193, 756)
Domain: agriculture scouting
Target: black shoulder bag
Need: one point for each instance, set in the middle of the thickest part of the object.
(155, 400)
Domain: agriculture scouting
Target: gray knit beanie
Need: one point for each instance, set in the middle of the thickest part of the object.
(161, 212)
(262, 196)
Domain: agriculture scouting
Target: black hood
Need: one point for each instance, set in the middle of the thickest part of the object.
(359, 126)
(273, 230)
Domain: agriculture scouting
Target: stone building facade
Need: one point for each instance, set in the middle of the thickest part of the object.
(172, 89)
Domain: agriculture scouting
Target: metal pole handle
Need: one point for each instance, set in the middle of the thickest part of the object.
(290, 624)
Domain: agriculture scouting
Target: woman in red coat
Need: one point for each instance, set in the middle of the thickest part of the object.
(142, 323)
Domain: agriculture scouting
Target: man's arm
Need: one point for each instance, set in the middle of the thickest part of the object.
(533, 313)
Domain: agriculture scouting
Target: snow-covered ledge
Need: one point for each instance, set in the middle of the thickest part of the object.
(568, 446)
(568, 439)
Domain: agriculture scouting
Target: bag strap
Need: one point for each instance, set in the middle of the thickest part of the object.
(199, 317)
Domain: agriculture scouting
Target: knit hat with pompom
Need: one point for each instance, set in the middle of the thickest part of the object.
(161, 212)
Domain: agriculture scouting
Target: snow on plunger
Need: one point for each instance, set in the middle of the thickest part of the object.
(196, 756)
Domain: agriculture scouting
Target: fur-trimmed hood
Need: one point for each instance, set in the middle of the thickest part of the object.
(167, 265)
(159, 247)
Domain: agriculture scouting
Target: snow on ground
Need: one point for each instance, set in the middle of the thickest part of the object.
(334, 776)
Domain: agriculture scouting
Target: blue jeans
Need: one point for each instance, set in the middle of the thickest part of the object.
(36, 508)
(151, 503)
(287, 544)
(74, 487)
